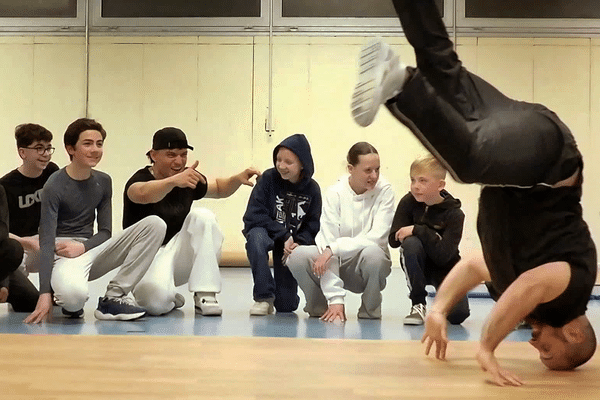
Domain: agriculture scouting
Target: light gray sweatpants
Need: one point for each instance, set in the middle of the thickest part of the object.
(131, 250)
(364, 273)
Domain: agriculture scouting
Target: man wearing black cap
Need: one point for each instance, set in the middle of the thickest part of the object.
(193, 241)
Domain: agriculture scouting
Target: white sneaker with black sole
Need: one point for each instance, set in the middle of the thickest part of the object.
(118, 309)
(416, 316)
(380, 77)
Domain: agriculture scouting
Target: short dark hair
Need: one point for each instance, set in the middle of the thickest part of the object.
(359, 149)
(26, 134)
(81, 125)
(580, 353)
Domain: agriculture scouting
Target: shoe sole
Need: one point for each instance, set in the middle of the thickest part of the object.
(367, 93)
(119, 317)
(208, 313)
(414, 323)
(270, 310)
(72, 315)
(261, 314)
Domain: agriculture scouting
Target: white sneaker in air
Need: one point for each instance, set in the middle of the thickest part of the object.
(380, 77)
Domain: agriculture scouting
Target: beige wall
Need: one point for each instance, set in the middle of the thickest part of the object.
(216, 90)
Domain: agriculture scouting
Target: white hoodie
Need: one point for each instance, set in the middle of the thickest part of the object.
(349, 223)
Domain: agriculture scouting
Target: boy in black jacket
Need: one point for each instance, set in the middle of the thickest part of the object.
(283, 212)
(428, 226)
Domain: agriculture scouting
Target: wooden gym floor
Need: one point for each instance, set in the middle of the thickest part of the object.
(283, 356)
(142, 367)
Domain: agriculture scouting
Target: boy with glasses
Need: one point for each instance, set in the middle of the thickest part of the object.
(23, 187)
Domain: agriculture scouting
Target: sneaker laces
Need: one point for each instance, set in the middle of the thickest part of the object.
(124, 300)
(418, 309)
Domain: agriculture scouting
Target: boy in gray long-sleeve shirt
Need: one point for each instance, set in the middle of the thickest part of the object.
(70, 253)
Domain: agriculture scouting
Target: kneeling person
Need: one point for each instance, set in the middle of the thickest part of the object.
(351, 250)
(191, 248)
(73, 199)
(283, 212)
(428, 226)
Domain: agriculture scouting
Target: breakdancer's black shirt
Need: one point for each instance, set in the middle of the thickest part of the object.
(523, 228)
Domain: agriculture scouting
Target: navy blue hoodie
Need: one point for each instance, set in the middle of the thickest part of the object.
(285, 209)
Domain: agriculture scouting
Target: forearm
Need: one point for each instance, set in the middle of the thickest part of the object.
(150, 192)
(505, 315)
(45, 270)
(21, 240)
(96, 240)
(536, 286)
(225, 187)
(29, 243)
(465, 275)
(332, 285)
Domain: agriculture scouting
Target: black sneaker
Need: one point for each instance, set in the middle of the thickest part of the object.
(72, 314)
(118, 309)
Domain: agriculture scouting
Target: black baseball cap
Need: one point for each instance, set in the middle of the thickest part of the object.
(170, 138)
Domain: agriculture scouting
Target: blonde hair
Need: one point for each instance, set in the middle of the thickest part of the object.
(428, 164)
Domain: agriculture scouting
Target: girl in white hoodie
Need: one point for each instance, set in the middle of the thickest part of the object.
(351, 250)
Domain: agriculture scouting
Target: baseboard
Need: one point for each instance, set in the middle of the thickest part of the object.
(234, 259)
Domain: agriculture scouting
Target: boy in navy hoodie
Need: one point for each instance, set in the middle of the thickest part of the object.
(283, 212)
(428, 226)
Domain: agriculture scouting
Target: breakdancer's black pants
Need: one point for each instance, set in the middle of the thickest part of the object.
(479, 134)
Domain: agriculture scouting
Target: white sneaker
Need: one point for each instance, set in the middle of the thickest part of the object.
(207, 304)
(262, 308)
(380, 77)
(416, 316)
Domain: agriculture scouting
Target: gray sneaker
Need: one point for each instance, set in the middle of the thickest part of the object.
(380, 77)
(416, 316)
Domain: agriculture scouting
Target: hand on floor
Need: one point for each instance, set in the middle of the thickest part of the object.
(435, 332)
(335, 312)
(500, 377)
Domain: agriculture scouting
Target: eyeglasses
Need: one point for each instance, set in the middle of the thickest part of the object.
(41, 149)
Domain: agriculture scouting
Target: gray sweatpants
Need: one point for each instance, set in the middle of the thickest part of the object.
(364, 273)
(131, 250)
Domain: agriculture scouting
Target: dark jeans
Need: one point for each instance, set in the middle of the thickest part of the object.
(479, 134)
(283, 290)
(421, 271)
(22, 295)
(11, 255)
